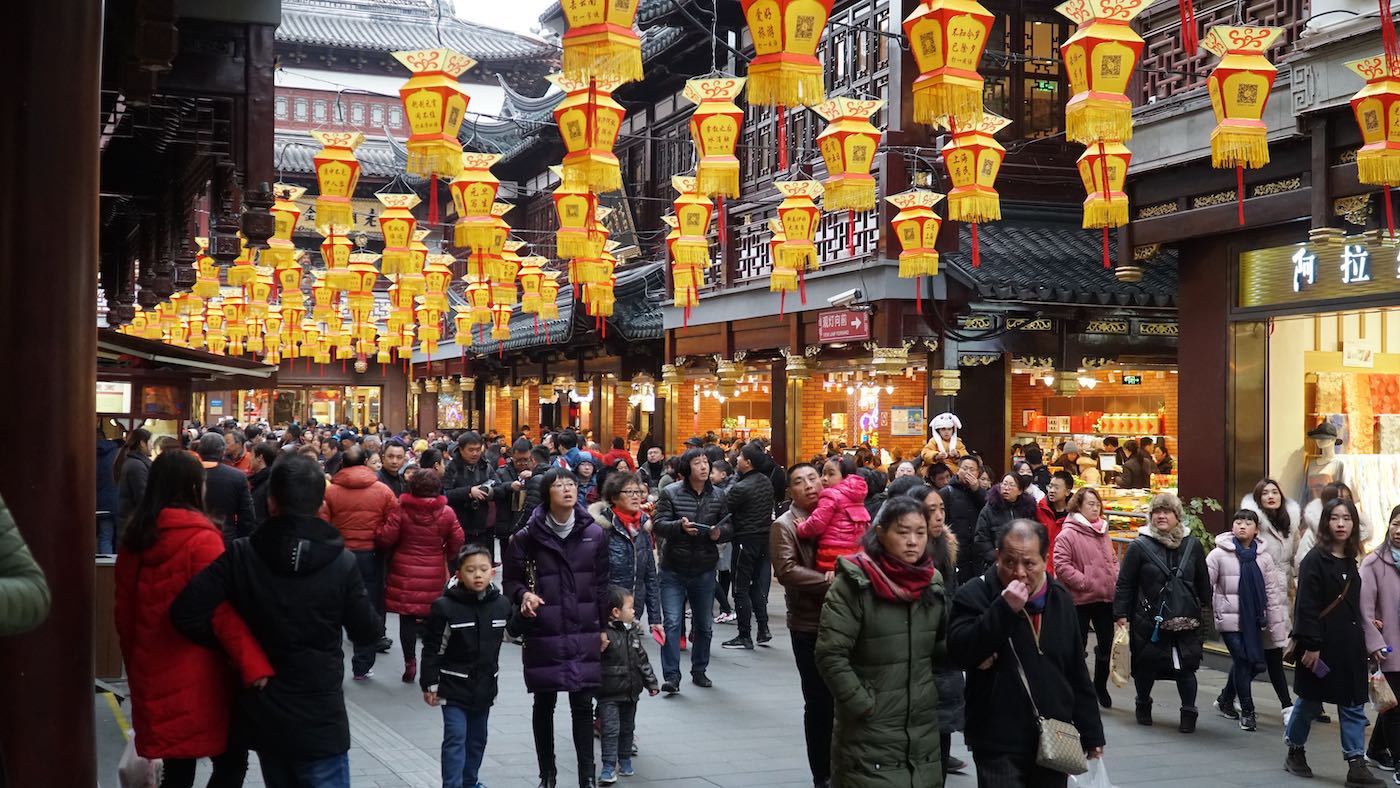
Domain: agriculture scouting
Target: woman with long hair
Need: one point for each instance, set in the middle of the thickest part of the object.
(1307, 536)
(883, 626)
(1086, 564)
(1332, 634)
(182, 693)
(130, 470)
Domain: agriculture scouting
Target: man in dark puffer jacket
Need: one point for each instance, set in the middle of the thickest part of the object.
(750, 502)
(965, 499)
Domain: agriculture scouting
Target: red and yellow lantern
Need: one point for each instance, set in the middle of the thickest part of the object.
(576, 209)
(437, 276)
(337, 174)
(323, 297)
(397, 223)
(241, 272)
(799, 215)
(1377, 108)
(206, 283)
(335, 253)
(600, 42)
(549, 296)
(974, 157)
(916, 226)
(693, 213)
(1239, 90)
(589, 120)
(1103, 168)
(502, 273)
(715, 127)
(784, 278)
(848, 147)
(531, 277)
(948, 38)
(1100, 58)
(474, 190)
(500, 322)
(434, 104)
(286, 212)
(258, 292)
(362, 278)
(289, 284)
(786, 70)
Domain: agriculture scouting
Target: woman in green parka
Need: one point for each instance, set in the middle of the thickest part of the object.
(883, 629)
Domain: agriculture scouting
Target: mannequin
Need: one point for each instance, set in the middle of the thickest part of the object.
(1327, 467)
(944, 446)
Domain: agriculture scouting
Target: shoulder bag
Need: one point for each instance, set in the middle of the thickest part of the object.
(1178, 609)
(1059, 747)
(1293, 651)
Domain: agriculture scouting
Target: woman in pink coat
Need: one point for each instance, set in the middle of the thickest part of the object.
(1249, 603)
(423, 535)
(1086, 565)
(1380, 602)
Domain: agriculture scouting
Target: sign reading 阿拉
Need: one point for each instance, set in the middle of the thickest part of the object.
(842, 325)
(1303, 273)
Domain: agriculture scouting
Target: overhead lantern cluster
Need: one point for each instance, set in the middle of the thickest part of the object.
(786, 71)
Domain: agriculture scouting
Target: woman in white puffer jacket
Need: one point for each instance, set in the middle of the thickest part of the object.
(1308, 537)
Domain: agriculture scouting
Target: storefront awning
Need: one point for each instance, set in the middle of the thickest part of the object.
(112, 345)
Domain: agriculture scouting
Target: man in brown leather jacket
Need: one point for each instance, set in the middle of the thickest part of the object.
(794, 564)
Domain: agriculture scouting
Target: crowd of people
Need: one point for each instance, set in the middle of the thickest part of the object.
(244, 553)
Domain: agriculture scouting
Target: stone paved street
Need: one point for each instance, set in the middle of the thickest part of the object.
(746, 731)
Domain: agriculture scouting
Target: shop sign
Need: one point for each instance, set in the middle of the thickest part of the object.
(1057, 424)
(842, 325)
(1132, 380)
(1303, 273)
(216, 407)
(113, 397)
(1359, 353)
(907, 422)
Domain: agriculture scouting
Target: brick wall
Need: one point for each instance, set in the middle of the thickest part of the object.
(504, 410)
(908, 393)
(1025, 396)
(620, 409)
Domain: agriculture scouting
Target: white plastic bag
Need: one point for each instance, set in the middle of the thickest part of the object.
(1096, 777)
(133, 771)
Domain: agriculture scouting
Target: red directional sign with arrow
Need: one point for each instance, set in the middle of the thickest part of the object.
(842, 325)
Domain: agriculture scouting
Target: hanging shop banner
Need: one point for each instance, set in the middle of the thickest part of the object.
(1312, 272)
(906, 422)
(842, 325)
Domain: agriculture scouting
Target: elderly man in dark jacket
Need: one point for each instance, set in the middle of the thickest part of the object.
(469, 484)
(1013, 629)
(690, 520)
(965, 499)
(227, 497)
(509, 492)
(750, 502)
(297, 588)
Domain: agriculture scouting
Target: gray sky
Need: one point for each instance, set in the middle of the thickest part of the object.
(518, 15)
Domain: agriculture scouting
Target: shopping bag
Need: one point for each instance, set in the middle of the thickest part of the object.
(1096, 777)
(1382, 696)
(133, 771)
(1119, 659)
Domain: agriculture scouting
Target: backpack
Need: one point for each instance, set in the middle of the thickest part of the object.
(1177, 608)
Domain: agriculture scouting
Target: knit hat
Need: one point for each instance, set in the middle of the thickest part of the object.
(1070, 448)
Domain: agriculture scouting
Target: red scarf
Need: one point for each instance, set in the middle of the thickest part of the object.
(633, 522)
(894, 580)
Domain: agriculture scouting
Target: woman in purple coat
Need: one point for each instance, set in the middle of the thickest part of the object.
(556, 570)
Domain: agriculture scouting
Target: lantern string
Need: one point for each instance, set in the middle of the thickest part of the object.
(976, 249)
(1189, 37)
(1106, 263)
(1239, 191)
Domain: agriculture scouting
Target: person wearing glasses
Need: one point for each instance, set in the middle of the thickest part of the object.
(631, 562)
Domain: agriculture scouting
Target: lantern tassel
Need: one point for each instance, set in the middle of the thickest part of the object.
(1109, 118)
(433, 199)
(1189, 38)
(786, 83)
(782, 302)
(721, 228)
(802, 285)
(934, 98)
(976, 248)
(1389, 42)
(718, 177)
(918, 295)
(1239, 192)
(782, 130)
(851, 233)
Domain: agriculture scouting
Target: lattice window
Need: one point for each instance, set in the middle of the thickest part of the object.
(300, 109)
(836, 245)
(673, 154)
(1168, 70)
(1023, 81)
(280, 110)
(752, 242)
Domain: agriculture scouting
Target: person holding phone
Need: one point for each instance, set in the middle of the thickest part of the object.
(1331, 632)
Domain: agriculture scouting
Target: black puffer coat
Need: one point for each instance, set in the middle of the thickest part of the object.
(626, 669)
(1138, 597)
(462, 646)
(1340, 636)
(750, 502)
(963, 505)
(680, 552)
(993, 519)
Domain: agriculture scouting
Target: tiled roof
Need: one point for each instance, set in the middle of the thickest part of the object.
(382, 26)
(378, 159)
(1026, 260)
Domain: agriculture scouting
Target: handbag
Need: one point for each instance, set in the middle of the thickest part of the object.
(1059, 747)
(1293, 651)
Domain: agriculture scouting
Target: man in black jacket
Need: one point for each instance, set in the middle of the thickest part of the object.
(264, 455)
(688, 519)
(393, 457)
(227, 498)
(509, 491)
(540, 456)
(750, 501)
(964, 499)
(295, 585)
(1015, 629)
(468, 484)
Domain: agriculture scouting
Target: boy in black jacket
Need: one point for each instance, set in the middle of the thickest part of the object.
(461, 655)
(626, 671)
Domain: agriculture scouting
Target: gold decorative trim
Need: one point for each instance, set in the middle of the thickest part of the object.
(1354, 210)
(1160, 209)
(1096, 362)
(1170, 329)
(977, 322)
(1277, 187)
(1033, 362)
(1146, 251)
(1030, 323)
(1107, 326)
(978, 359)
(1347, 157)
(1218, 198)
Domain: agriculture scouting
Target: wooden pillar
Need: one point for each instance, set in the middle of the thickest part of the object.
(48, 256)
(982, 409)
(778, 415)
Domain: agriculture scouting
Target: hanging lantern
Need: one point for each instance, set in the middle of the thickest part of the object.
(474, 191)
(258, 292)
(433, 104)
(597, 243)
(948, 38)
(600, 42)
(478, 295)
(1239, 90)
(715, 127)
(322, 297)
(397, 224)
(1376, 106)
(362, 278)
(848, 147)
(784, 278)
(916, 226)
(576, 208)
(686, 277)
(337, 174)
(286, 212)
(973, 157)
(206, 283)
(437, 276)
(531, 276)
(1103, 168)
(549, 296)
(502, 272)
(500, 322)
(693, 213)
(798, 213)
(786, 70)
(598, 301)
(335, 253)
(289, 284)
(589, 120)
(1100, 58)
(241, 272)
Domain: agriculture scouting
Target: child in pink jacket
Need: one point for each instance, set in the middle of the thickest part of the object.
(840, 519)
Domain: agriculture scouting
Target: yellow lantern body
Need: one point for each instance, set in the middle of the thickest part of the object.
(576, 209)
(549, 296)
(1099, 59)
(916, 226)
(715, 127)
(848, 147)
(1103, 168)
(206, 284)
(1239, 90)
(693, 214)
(337, 174)
(500, 322)
(437, 275)
(434, 104)
(474, 191)
(1377, 110)
(531, 276)
(289, 285)
(335, 253)
(948, 38)
(799, 215)
(785, 70)
(258, 292)
(974, 157)
(589, 120)
(241, 271)
(397, 224)
(600, 42)
(280, 250)
(784, 276)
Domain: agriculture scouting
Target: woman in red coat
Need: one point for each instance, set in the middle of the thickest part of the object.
(182, 693)
(423, 535)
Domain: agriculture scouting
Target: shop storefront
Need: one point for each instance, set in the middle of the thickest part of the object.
(1122, 402)
(1315, 337)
